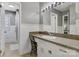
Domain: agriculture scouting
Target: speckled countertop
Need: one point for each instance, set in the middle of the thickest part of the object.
(65, 40)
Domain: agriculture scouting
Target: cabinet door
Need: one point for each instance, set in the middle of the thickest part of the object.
(40, 49)
(47, 49)
(44, 50)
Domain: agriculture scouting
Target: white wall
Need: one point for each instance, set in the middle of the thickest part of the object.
(30, 12)
(25, 46)
(30, 22)
(77, 17)
(74, 19)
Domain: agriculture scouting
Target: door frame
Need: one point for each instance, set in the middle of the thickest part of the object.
(2, 37)
(63, 21)
(2, 32)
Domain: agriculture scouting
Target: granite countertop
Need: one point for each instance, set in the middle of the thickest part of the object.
(69, 36)
(65, 40)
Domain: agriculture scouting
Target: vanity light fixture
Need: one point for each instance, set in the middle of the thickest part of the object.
(41, 10)
(59, 3)
(47, 8)
(55, 4)
(50, 5)
(44, 9)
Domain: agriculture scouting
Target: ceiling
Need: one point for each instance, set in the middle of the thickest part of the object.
(11, 6)
(62, 7)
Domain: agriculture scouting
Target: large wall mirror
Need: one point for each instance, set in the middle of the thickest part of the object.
(62, 16)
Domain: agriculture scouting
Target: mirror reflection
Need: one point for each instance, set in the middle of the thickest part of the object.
(60, 16)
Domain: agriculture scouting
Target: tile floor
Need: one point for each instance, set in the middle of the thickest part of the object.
(9, 52)
(13, 53)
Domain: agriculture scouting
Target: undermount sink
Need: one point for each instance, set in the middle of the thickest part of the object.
(48, 37)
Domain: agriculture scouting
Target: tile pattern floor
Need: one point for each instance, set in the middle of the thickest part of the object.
(13, 53)
(10, 53)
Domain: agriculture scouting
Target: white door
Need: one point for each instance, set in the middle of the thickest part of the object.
(10, 27)
(54, 23)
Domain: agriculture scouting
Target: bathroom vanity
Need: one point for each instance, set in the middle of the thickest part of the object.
(45, 44)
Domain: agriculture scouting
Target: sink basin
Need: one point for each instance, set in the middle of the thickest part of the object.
(48, 37)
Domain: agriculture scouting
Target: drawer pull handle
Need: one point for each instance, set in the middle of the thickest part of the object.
(50, 51)
(63, 50)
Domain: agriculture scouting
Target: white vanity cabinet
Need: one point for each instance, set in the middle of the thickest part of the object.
(47, 49)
